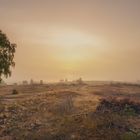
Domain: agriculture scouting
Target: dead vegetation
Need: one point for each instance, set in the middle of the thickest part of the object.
(67, 113)
(106, 123)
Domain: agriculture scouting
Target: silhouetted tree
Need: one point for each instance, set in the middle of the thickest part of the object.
(7, 51)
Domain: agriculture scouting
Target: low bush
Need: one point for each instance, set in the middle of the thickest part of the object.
(122, 106)
(130, 136)
(14, 92)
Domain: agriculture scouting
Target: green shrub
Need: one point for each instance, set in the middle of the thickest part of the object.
(129, 111)
(130, 136)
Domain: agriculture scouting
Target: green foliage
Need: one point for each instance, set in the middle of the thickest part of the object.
(7, 51)
(130, 136)
(129, 111)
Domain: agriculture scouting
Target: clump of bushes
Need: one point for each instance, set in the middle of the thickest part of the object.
(130, 136)
(123, 106)
(14, 92)
(129, 111)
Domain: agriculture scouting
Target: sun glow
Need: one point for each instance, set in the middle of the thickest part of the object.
(69, 38)
(71, 48)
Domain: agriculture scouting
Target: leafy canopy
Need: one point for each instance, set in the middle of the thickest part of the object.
(7, 51)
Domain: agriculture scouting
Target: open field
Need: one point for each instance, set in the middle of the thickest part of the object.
(70, 112)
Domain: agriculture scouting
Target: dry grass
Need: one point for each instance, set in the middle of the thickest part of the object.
(66, 112)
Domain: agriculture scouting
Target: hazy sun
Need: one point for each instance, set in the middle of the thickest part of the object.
(70, 47)
(71, 38)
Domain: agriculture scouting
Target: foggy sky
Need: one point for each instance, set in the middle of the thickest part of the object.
(56, 39)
